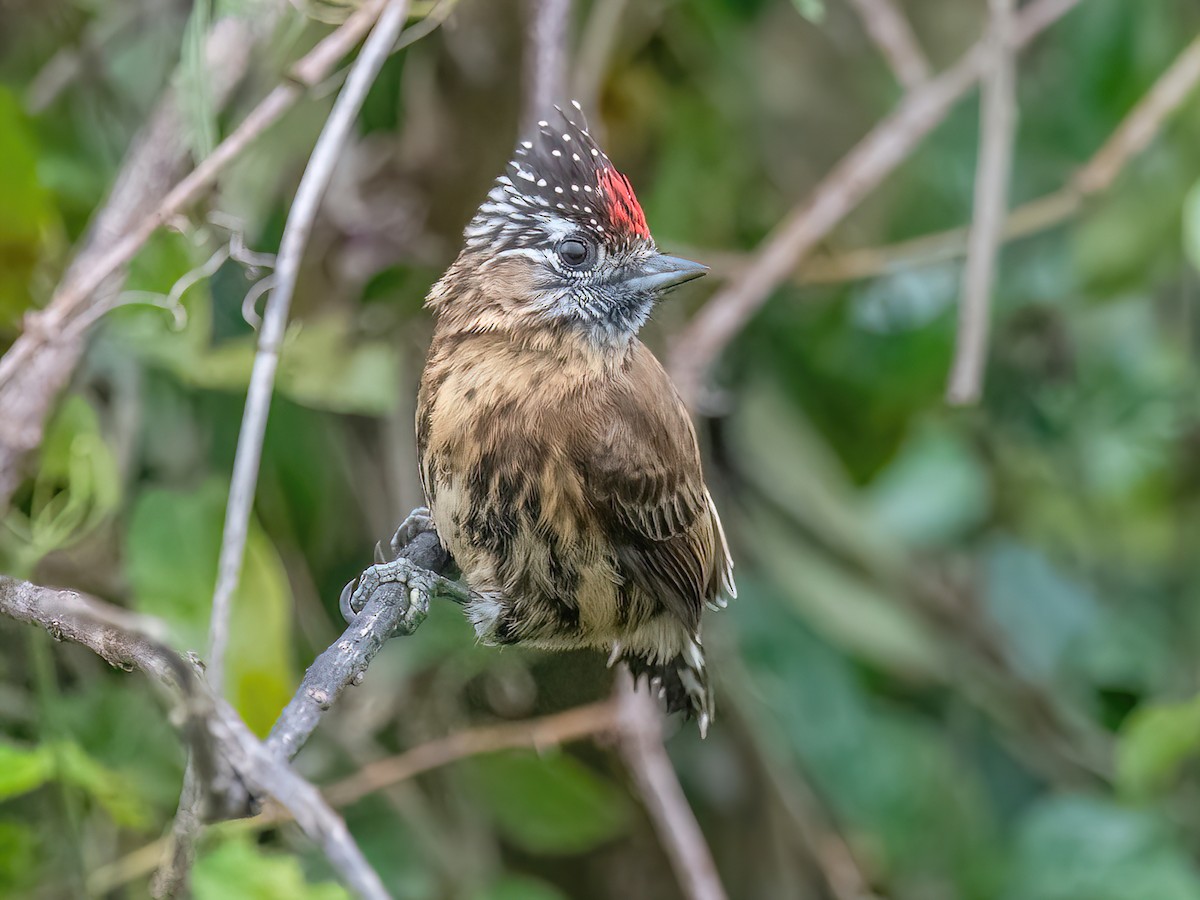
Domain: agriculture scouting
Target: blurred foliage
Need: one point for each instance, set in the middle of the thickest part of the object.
(965, 640)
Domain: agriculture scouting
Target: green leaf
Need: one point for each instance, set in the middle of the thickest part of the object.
(518, 887)
(192, 84)
(1191, 224)
(1084, 848)
(852, 611)
(116, 793)
(1042, 611)
(236, 868)
(17, 856)
(321, 367)
(27, 215)
(549, 805)
(1155, 741)
(76, 488)
(172, 548)
(880, 769)
(933, 492)
(813, 10)
(22, 771)
(26, 770)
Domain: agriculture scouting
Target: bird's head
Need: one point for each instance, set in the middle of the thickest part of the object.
(561, 241)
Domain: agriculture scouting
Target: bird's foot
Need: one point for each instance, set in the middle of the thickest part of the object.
(419, 522)
(403, 584)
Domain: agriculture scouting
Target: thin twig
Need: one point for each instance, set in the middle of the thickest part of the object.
(547, 22)
(345, 661)
(1130, 138)
(296, 231)
(599, 35)
(998, 119)
(316, 818)
(1143, 123)
(641, 746)
(40, 362)
(887, 27)
(876, 156)
(301, 218)
(213, 730)
(594, 720)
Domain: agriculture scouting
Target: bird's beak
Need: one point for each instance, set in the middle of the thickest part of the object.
(660, 272)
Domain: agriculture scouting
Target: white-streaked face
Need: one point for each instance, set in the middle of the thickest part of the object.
(566, 210)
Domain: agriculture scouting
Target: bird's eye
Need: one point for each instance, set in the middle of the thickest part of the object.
(575, 252)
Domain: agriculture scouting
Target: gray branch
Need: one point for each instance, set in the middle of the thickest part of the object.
(545, 59)
(228, 759)
(346, 660)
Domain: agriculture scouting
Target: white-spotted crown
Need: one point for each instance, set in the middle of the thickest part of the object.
(559, 179)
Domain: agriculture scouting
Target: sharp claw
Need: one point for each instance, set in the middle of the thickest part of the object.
(344, 601)
(379, 555)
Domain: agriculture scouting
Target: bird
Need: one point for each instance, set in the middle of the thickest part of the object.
(559, 463)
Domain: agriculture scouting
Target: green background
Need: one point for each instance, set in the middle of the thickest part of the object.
(966, 643)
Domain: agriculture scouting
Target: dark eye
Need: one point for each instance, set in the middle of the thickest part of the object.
(575, 252)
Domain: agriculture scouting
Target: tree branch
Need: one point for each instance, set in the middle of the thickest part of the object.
(40, 362)
(547, 23)
(313, 183)
(596, 43)
(1132, 136)
(296, 231)
(345, 661)
(229, 759)
(641, 746)
(592, 720)
(1143, 122)
(998, 115)
(887, 27)
(876, 156)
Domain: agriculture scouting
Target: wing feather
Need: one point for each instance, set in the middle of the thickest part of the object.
(642, 468)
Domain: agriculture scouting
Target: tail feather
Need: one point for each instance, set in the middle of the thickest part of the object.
(681, 682)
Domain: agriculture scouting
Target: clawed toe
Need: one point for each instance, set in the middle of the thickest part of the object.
(418, 522)
(409, 585)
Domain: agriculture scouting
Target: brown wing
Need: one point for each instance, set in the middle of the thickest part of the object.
(642, 469)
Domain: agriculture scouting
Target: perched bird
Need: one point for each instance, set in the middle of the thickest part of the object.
(559, 463)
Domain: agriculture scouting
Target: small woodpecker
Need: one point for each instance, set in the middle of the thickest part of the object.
(559, 463)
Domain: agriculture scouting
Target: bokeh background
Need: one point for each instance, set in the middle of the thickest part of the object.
(964, 659)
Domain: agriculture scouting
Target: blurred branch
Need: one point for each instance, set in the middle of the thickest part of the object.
(548, 22)
(641, 746)
(998, 115)
(1143, 123)
(40, 362)
(596, 44)
(296, 231)
(84, 57)
(227, 755)
(313, 184)
(261, 767)
(875, 157)
(1133, 135)
(593, 720)
(887, 27)
(813, 822)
